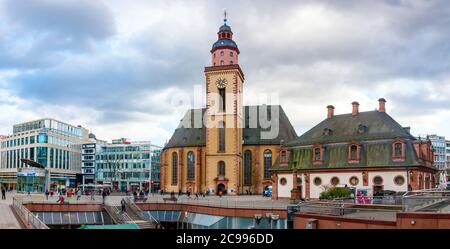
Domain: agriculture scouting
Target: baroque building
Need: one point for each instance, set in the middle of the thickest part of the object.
(225, 147)
(364, 150)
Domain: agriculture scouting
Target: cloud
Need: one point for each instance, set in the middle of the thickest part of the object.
(126, 67)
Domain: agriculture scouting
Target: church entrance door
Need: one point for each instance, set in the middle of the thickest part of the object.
(221, 189)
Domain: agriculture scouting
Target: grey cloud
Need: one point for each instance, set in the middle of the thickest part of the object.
(41, 33)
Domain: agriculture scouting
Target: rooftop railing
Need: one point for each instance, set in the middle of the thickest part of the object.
(213, 201)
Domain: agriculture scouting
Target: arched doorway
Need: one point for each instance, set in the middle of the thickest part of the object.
(221, 189)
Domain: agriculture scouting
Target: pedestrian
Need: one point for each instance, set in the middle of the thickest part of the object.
(104, 194)
(196, 196)
(78, 194)
(93, 195)
(47, 193)
(3, 193)
(60, 199)
(122, 204)
(179, 193)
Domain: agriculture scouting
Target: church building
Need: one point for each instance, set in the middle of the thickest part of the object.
(222, 148)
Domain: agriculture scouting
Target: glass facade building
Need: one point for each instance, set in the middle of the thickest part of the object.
(128, 165)
(439, 146)
(51, 143)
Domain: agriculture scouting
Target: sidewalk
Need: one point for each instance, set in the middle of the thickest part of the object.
(7, 218)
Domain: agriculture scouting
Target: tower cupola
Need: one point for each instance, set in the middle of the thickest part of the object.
(224, 51)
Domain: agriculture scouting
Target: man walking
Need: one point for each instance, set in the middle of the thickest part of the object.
(104, 194)
(3, 193)
(122, 204)
(46, 194)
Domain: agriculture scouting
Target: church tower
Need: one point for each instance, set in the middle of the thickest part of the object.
(224, 117)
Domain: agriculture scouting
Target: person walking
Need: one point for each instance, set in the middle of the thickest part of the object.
(122, 204)
(3, 193)
(93, 195)
(78, 194)
(60, 199)
(104, 194)
(47, 193)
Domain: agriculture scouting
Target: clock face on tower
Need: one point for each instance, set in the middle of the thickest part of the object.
(221, 83)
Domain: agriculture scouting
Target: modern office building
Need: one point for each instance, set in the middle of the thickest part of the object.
(51, 143)
(128, 165)
(440, 146)
(89, 151)
(447, 153)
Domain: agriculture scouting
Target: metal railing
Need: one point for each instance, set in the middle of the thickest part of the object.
(222, 202)
(30, 220)
(118, 216)
(345, 209)
(138, 212)
(426, 200)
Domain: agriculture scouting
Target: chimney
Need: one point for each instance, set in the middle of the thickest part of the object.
(330, 111)
(382, 105)
(355, 109)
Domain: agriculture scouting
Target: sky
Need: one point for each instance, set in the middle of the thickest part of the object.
(132, 68)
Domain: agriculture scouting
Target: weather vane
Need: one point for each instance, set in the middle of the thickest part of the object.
(225, 15)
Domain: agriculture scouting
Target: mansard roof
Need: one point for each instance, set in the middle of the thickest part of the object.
(371, 125)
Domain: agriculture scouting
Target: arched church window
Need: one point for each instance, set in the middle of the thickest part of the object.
(221, 168)
(248, 168)
(174, 168)
(221, 136)
(267, 163)
(191, 165)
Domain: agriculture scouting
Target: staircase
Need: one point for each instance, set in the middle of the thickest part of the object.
(136, 214)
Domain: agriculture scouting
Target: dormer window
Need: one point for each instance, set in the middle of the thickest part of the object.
(318, 152)
(327, 132)
(398, 150)
(221, 53)
(231, 53)
(283, 156)
(354, 151)
(362, 128)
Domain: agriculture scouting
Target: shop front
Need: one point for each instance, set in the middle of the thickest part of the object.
(31, 180)
(9, 183)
